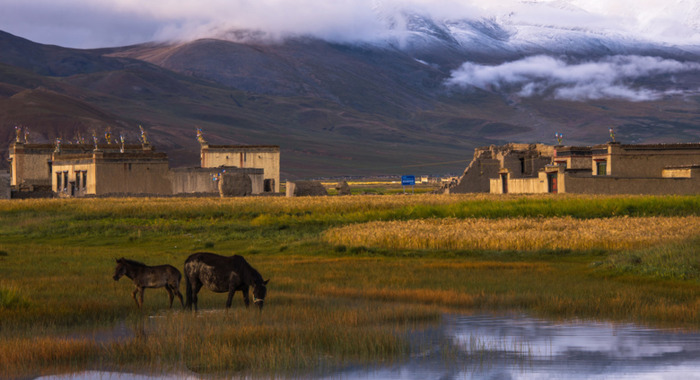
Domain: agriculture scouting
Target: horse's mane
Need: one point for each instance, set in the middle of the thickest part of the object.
(134, 262)
(251, 271)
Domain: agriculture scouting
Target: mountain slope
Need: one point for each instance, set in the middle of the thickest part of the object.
(346, 108)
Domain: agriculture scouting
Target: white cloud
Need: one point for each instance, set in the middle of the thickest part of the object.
(611, 77)
(98, 23)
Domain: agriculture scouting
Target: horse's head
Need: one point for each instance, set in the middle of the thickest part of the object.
(119, 270)
(259, 293)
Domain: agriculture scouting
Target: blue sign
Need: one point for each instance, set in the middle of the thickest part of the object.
(408, 180)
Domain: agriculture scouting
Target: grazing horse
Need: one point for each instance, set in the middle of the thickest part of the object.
(222, 274)
(144, 276)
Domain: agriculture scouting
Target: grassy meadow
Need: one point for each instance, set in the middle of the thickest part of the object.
(378, 266)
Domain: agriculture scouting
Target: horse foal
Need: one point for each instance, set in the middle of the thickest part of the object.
(145, 276)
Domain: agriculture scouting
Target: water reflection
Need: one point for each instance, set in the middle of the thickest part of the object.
(104, 375)
(519, 347)
(487, 347)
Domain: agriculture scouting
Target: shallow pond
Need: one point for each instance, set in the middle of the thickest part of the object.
(520, 347)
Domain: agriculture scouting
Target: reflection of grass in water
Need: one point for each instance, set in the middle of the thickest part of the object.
(476, 353)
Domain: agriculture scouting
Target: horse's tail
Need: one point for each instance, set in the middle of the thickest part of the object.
(188, 291)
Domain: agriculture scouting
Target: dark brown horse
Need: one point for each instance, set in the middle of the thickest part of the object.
(144, 276)
(222, 274)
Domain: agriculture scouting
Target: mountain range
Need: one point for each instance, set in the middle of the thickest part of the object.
(415, 102)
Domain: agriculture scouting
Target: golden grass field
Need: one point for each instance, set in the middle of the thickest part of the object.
(524, 234)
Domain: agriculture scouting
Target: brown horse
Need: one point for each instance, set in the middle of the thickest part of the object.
(222, 274)
(145, 276)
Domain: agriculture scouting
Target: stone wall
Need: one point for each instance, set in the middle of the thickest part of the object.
(619, 185)
(646, 160)
(194, 181)
(203, 180)
(305, 188)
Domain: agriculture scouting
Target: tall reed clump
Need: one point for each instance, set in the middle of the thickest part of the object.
(282, 339)
(528, 234)
(28, 355)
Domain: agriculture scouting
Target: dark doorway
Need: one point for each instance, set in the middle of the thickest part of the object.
(269, 185)
(552, 186)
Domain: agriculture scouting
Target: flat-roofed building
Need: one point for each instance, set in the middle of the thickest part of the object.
(266, 157)
(613, 168)
(135, 170)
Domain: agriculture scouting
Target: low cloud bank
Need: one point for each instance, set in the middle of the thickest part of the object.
(608, 78)
(100, 23)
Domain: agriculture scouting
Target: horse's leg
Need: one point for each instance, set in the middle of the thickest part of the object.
(246, 297)
(231, 292)
(188, 290)
(133, 295)
(196, 287)
(176, 290)
(141, 289)
(170, 294)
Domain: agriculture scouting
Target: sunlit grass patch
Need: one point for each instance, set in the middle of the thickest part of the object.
(490, 265)
(680, 260)
(527, 234)
(12, 298)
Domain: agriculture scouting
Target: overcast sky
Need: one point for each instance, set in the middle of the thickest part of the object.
(103, 23)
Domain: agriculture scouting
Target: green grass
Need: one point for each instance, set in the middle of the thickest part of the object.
(57, 259)
(679, 261)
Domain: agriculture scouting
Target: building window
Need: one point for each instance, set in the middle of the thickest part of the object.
(65, 181)
(601, 168)
(84, 179)
(59, 176)
(77, 179)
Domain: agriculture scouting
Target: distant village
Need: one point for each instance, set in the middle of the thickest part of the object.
(114, 168)
(109, 168)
